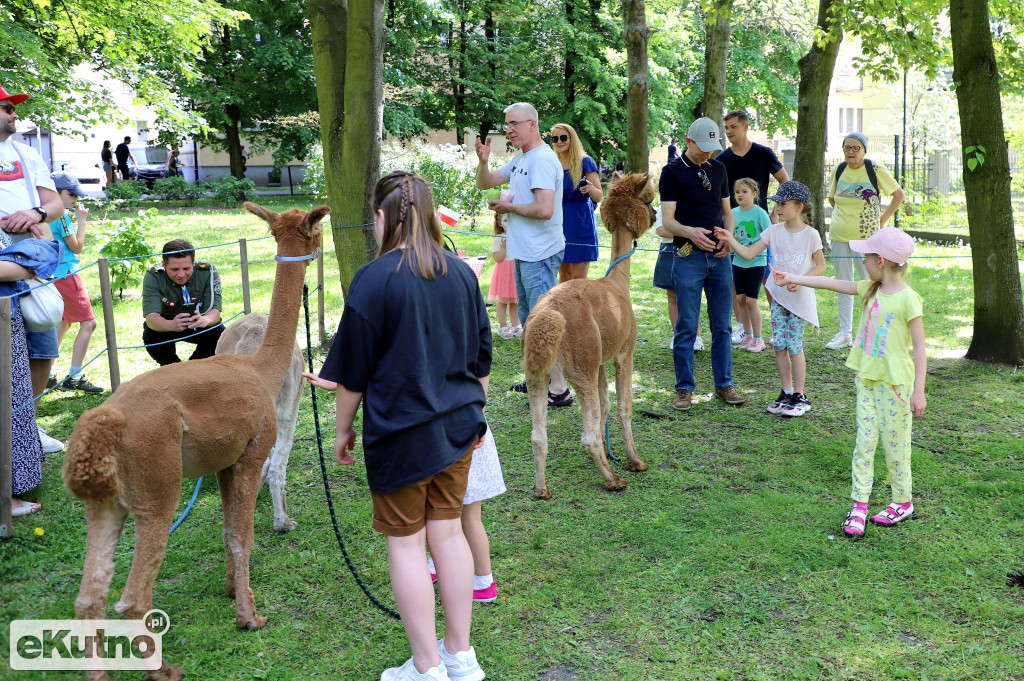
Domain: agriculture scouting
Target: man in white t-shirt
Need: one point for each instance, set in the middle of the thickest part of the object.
(28, 202)
(534, 233)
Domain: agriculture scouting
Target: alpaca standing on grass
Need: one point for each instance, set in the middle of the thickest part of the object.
(244, 337)
(215, 415)
(581, 325)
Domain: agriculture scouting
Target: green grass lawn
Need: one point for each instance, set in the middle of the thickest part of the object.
(723, 561)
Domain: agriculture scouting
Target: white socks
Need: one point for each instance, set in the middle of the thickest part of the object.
(479, 582)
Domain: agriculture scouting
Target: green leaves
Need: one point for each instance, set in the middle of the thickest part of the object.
(977, 159)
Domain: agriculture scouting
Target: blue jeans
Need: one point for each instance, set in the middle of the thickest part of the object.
(691, 274)
(534, 279)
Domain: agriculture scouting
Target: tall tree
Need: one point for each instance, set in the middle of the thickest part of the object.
(998, 306)
(718, 30)
(638, 33)
(816, 69)
(348, 49)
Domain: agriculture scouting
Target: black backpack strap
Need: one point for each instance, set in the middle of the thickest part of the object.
(839, 171)
(872, 175)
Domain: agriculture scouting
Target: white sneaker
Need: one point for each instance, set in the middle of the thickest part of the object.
(737, 334)
(50, 444)
(408, 672)
(698, 344)
(839, 341)
(461, 666)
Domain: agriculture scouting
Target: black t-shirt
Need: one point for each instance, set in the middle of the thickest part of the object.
(121, 152)
(758, 163)
(695, 205)
(416, 349)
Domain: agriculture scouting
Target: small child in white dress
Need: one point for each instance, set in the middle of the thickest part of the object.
(485, 482)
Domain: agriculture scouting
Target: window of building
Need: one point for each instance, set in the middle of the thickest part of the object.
(851, 119)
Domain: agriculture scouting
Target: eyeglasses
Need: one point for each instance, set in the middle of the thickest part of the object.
(704, 179)
(8, 107)
(852, 149)
(512, 124)
(559, 138)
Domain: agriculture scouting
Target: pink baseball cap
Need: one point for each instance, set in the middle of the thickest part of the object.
(891, 243)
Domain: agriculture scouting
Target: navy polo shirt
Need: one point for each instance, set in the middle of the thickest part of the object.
(695, 205)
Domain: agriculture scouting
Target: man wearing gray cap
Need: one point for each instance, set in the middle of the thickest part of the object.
(694, 200)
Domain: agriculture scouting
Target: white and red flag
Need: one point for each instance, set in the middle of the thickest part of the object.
(447, 216)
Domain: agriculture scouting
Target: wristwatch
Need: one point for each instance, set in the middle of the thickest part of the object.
(42, 213)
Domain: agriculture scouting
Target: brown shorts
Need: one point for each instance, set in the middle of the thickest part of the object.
(77, 307)
(405, 511)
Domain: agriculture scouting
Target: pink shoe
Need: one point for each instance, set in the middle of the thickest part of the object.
(745, 343)
(755, 345)
(517, 332)
(894, 513)
(433, 578)
(853, 526)
(488, 595)
(505, 332)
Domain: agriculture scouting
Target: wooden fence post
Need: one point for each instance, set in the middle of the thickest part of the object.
(6, 409)
(108, 324)
(243, 256)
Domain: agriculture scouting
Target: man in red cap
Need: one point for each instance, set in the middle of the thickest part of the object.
(28, 202)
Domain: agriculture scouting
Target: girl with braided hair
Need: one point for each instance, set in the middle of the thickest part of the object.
(414, 346)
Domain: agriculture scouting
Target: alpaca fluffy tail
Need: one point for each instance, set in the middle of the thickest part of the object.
(90, 467)
(541, 338)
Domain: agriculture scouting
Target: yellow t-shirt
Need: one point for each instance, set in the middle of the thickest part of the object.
(883, 349)
(858, 206)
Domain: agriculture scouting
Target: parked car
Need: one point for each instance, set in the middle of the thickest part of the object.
(152, 164)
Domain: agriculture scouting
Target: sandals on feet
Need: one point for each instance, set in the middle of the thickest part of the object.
(505, 332)
(563, 400)
(853, 526)
(893, 514)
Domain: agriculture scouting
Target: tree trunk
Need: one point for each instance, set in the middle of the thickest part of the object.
(492, 60)
(716, 55)
(348, 57)
(638, 33)
(571, 58)
(816, 69)
(998, 306)
(234, 140)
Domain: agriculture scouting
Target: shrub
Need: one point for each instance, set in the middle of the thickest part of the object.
(228, 190)
(313, 177)
(449, 170)
(125, 194)
(170, 188)
(127, 239)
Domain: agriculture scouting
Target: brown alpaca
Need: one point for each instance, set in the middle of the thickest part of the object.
(581, 324)
(215, 415)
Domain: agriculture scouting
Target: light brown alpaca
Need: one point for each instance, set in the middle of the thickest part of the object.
(215, 415)
(582, 324)
(244, 337)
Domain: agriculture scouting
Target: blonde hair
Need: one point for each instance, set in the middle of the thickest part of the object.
(499, 225)
(750, 183)
(574, 155)
(410, 222)
(898, 268)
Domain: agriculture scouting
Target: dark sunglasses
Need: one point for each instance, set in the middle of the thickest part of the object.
(8, 107)
(704, 179)
(559, 138)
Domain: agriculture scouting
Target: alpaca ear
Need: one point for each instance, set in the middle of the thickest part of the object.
(316, 215)
(259, 211)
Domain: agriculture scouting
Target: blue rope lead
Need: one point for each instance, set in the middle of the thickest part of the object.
(607, 421)
(184, 514)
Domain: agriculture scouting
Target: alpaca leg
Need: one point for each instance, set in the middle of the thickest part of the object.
(104, 522)
(225, 482)
(276, 467)
(152, 528)
(238, 520)
(624, 398)
(538, 391)
(602, 391)
(593, 433)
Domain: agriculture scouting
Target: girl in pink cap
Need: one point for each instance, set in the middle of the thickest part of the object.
(888, 355)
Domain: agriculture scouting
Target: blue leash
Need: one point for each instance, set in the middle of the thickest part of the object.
(184, 514)
(607, 425)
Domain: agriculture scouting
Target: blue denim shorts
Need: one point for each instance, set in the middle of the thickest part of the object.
(42, 344)
(663, 268)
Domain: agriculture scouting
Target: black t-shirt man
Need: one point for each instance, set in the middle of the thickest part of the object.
(758, 164)
(122, 153)
(697, 204)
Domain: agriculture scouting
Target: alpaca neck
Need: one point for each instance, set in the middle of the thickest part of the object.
(622, 243)
(274, 356)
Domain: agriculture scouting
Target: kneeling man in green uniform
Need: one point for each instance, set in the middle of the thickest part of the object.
(180, 298)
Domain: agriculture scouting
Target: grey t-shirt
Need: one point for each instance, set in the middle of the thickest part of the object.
(528, 239)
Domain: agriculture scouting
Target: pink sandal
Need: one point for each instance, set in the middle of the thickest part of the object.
(505, 332)
(853, 526)
(894, 513)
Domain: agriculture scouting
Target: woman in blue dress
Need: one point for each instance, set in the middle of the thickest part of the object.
(581, 191)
